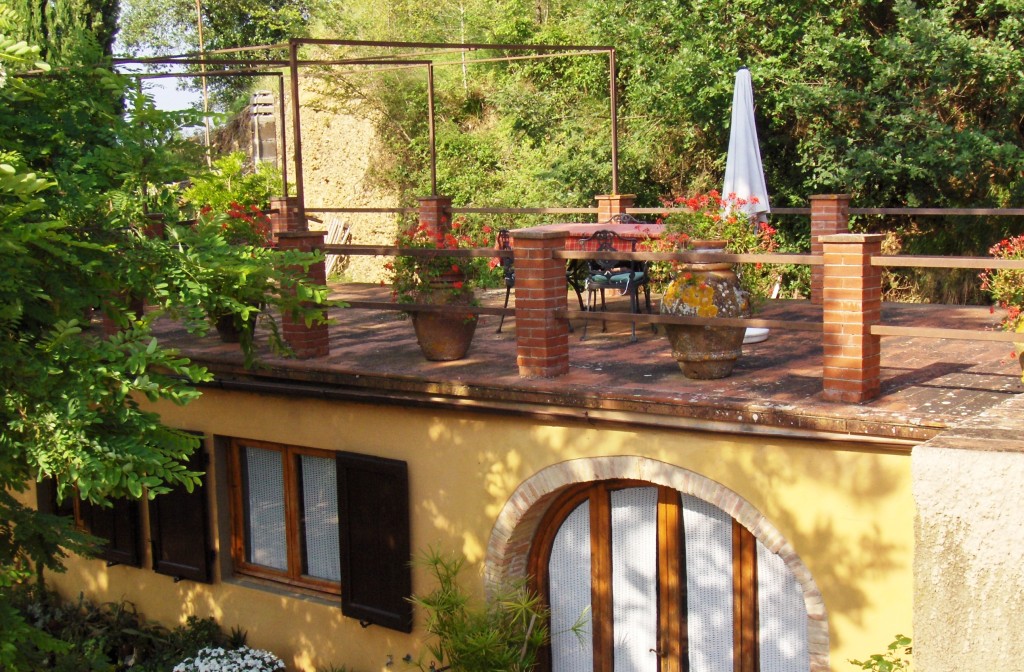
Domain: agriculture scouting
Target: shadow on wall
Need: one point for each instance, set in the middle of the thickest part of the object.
(841, 537)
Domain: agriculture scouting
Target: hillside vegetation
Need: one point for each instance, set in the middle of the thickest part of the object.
(898, 103)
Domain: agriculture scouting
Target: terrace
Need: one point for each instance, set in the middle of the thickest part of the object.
(928, 377)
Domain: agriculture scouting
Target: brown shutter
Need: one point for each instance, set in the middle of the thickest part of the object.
(373, 515)
(118, 526)
(179, 527)
(46, 499)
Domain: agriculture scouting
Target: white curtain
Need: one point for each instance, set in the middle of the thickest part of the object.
(267, 538)
(635, 578)
(708, 585)
(569, 578)
(782, 614)
(320, 512)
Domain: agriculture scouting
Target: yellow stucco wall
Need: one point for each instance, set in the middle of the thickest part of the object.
(848, 513)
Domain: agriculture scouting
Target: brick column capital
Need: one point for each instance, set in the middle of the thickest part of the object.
(307, 241)
(610, 205)
(542, 340)
(830, 214)
(436, 213)
(284, 215)
(851, 304)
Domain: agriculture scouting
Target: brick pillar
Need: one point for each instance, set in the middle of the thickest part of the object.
(436, 213)
(284, 215)
(609, 205)
(542, 340)
(852, 302)
(830, 214)
(307, 341)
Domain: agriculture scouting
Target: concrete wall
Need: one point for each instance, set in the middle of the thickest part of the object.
(846, 512)
(969, 545)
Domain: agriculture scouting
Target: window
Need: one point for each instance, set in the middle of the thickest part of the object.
(286, 515)
(333, 522)
(665, 582)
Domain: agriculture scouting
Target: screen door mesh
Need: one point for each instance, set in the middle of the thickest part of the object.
(635, 578)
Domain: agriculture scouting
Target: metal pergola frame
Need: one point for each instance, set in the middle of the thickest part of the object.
(272, 67)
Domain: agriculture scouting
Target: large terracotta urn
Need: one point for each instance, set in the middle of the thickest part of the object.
(444, 337)
(706, 289)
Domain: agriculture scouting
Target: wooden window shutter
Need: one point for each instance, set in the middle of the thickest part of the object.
(118, 526)
(373, 513)
(46, 499)
(179, 527)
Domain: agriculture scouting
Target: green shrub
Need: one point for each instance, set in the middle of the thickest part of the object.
(109, 637)
(891, 659)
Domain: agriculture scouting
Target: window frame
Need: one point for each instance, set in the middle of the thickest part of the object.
(671, 576)
(237, 483)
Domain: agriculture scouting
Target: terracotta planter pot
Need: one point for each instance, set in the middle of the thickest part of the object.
(1019, 347)
(706, 289)
(228, 328)
(444, 337)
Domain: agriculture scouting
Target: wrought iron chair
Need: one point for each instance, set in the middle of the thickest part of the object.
(508, 268)
(626, 276)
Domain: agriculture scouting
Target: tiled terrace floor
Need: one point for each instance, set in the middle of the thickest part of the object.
(927, 385)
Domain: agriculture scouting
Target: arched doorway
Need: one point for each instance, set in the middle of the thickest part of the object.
(672, 572)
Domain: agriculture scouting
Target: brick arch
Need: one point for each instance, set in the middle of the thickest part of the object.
(508, 548)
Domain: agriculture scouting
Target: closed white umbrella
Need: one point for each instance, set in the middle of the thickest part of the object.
(744, 172)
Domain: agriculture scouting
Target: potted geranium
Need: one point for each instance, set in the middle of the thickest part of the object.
(1006, 286)
(439, 280)
(711, 289)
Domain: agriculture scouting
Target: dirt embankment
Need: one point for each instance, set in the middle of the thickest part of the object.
(336, 151)
(337, 146)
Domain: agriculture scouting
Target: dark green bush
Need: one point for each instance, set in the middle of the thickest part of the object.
(111, 636)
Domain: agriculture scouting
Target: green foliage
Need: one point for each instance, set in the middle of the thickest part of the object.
(60, 26)
(83, 157)
(162, 26)
(895, 102)
(218, 277)
(891, 659)
(231, 181)
(81, 635)
(505, 633)
(1006, 285)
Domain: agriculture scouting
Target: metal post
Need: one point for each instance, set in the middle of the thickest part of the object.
(284, 134)
(613, 95)
(293, 58)
(430, 118)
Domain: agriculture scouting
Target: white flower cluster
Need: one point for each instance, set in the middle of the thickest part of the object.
(231, 660)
